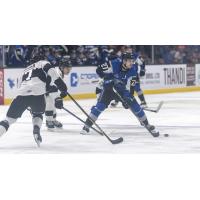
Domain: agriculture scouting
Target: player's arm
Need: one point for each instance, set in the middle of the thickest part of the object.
(140, 61)
(104, 70)
(56, 78)
(106, 73)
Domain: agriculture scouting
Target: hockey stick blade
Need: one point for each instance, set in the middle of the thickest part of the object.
(159, 106)
(81, 120)
(117, 141)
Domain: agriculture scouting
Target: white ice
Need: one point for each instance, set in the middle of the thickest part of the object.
(179, 117)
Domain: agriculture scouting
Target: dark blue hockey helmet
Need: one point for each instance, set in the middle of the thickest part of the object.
(127, 55)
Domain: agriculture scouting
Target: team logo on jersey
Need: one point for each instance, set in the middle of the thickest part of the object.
(11, 83)
(74, 79)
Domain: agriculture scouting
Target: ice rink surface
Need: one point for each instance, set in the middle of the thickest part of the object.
(179, 117)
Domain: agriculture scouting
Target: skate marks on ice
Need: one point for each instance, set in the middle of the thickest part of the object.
(179, 117)
(136, 140)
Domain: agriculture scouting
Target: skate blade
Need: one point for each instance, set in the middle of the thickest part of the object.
(85, 133)
(156, 134)
(51, 129)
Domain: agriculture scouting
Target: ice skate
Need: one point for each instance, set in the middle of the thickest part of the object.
(85, 131)
(36, 135)
(57, 124)
(50, 125)
(152, 130)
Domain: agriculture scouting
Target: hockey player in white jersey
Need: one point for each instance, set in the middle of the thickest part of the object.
(31, 94)
(64, 68)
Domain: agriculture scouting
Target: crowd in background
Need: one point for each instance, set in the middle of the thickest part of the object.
(84, 55)
(177, 54)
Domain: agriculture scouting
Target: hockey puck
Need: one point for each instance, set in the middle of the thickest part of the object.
(166, 135)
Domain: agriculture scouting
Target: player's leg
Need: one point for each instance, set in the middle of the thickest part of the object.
(98, 92)
(139, 113)
(49, 112)
(140, 94)
(17, 107)
(56, 123)
(37, 104)
(104, 100)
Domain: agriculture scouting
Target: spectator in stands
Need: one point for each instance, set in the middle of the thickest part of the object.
(81, 55)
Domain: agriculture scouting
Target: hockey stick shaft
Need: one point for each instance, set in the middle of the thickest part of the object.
(119, 140)
(146, 109)
(121, 99)
(123, 102)
(80, 119)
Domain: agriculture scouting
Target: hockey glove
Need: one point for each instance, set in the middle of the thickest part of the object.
(140, 61)
(59, 103)
(142, 72)
(63, 94)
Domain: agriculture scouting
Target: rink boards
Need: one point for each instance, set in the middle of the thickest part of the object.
(82, 81)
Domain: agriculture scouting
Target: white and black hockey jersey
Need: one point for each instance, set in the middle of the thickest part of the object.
(34, 79)
(51, 86)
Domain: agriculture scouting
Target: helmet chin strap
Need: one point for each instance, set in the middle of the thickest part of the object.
(124, 67)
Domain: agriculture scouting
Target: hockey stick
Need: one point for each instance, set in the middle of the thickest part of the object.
(121, 99)
(158, 108)
(155, 110)
(147, 109)
(116, 141)
(80, 119)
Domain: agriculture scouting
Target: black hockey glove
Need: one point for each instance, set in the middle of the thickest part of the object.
(142, 72)
(63, 94)
(59, 103)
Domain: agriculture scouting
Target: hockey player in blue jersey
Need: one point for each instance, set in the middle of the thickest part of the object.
(116, 74)
(139, 66)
